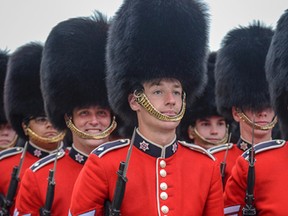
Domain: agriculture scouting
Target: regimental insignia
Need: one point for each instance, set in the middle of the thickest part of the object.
(243, 146)
(144, 146)
(174, 147)
(46, 160)
(79, 158)
(37, 153)
(109, 146)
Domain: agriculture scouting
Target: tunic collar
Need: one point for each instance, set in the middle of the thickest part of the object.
(77, 155)
(154, 149)
(39, 152)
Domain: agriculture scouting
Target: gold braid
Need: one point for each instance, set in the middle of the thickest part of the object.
(84, 135)
(146, 104)
(245, 118)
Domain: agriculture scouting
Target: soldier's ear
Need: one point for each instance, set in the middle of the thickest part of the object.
(235, 114)
(133, 103)
(190, 132)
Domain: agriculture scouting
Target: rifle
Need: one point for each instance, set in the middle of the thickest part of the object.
(249, 208)
(223, 163)
(114, 208)
(13, 185)
(46, 210)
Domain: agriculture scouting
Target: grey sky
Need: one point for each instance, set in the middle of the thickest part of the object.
(22, 21)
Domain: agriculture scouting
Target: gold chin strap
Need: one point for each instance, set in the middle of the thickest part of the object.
(146, 104)
(11, 144)
(36, 137)
(196, 134)
(84, 135)
(245, 118)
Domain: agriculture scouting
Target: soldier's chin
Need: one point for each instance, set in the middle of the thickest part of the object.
(4, 143)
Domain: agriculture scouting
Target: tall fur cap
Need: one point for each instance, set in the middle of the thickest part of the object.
(152, 39)
(240, 74)
(4, 56)
(22, 94)
(277, 72)
(73, 67)
(204, 105)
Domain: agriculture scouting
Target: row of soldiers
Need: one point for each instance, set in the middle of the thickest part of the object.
(148, 70)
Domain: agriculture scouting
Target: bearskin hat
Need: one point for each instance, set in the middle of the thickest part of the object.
(203, 106)
(154, 39)
(73, 67)
(22, 93)
(3, 67)
(239, 72)
(277, 72)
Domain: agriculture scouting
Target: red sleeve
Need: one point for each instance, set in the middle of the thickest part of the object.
(235, 190)
(28, 198)
(89, 196)
(214, 203)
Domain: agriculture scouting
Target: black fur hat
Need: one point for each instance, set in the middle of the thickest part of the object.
(3, 67)
(277, 72)
(239, 71)
(73, 67)
(22, 94)
(151, 39)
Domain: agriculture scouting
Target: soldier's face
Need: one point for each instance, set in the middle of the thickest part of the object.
(92, 120)
(7, 134)
(42, 127)
(212, 128)
(262, 117)
(166, 96)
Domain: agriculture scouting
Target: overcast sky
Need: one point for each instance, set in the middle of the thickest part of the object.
(23, 21)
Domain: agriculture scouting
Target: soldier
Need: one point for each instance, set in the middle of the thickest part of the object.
(205, 126)
(25, 112)
(241, 61)
(270, 160)
(72, 78)
(8, 136)
(156, 50)
(209, 129)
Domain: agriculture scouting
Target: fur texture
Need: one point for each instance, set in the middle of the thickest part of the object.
(152, 39)
(240, 74)
(73, 67)
(22, 94)
(277, 72)
(3, 68)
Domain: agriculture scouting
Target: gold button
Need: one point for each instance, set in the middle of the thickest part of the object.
(164, 195)
(165, 209)
(163, 173)
(162, 164)
(163, 186)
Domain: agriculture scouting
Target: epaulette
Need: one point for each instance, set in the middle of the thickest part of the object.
(109, 146)
(264, 146)
(197, 148)
(46, 160)
(10, 151)
(219, 148)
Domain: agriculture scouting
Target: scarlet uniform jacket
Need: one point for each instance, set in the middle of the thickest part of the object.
(173, 180)
(271, 177)
(228, 154)
(10, 158)
(32, 193)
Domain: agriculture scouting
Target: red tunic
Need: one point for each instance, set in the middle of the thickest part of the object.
(174, 180)
(232, 152)
(8, 160)
(271, 177)
(32, 193)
